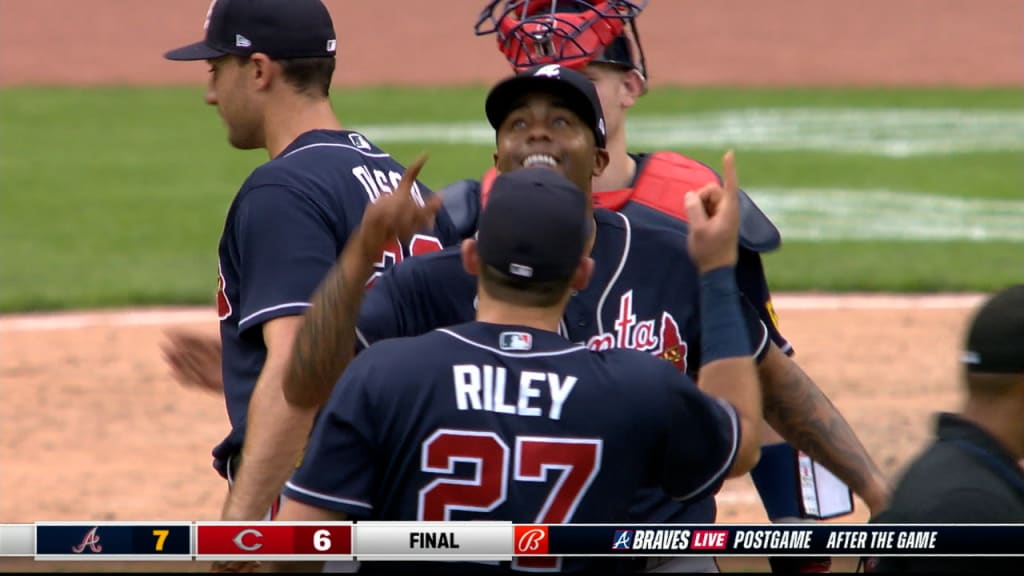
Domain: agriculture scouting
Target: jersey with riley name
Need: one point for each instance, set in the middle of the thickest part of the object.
(283, 232)
(485, 421)
(644, 294)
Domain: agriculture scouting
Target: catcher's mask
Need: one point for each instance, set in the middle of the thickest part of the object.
(572, 33)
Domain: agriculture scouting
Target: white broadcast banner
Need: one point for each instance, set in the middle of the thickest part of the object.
(433, 541)
(17, 540)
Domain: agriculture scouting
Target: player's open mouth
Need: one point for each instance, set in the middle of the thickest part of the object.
(542, 160)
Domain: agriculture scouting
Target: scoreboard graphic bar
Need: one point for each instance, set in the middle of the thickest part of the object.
(274, 541)
(434, 541)
(17, 540)
(770, 540)
(527, 545)
(113, 541)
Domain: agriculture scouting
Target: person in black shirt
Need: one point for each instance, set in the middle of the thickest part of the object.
(970, 473)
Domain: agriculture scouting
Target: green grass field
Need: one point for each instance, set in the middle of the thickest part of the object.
(117, 196)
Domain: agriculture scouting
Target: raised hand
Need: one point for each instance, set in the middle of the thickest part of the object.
(714, 220)
(396, 215)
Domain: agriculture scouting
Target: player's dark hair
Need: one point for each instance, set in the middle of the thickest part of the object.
(992, 386)
(311, 76)
(522, 291)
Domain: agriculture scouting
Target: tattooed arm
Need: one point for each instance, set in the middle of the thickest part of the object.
(804, 416)
(326, 343)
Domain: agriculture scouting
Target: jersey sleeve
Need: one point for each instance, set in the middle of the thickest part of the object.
(416, 296)
(703, 437)
(753, 284)
(286, 244)
(382, 312)
(338, 470)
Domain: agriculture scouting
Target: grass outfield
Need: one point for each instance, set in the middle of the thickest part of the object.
(117, 196)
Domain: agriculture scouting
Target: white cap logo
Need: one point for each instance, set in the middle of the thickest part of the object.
(521, 270)
(549, 70)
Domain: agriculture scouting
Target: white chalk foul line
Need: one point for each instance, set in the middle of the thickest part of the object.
(43, 322)
(889, 132)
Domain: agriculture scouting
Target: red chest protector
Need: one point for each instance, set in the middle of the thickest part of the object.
(662, 184)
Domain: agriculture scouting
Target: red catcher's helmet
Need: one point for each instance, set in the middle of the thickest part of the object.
(572, 33)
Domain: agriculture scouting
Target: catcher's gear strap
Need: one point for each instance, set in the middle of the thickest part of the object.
(662, 184)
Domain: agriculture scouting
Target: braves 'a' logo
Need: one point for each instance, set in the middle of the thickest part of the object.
(664, 341)
(91, 541)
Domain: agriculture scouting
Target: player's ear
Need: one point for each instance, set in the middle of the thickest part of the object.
(585, 270)
(495, 156)
(601, 159)
(470, 256)
(262, 70)
(633, 85)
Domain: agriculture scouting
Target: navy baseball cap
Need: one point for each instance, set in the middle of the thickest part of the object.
(995, 340)
(281, 29)
(575, 90)
(534, 226)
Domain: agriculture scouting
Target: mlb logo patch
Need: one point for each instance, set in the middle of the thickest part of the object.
(623, 540)
(517, 341)
(358, 141)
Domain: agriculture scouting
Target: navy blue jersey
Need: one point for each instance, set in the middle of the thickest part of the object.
(485, 421)
(644, 294)
(283, 232)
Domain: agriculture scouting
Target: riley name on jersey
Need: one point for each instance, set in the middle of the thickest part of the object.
(485, 387)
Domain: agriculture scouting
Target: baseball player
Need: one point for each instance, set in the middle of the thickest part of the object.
(271, 64)
(542, 119)
(600, 38)
(512, 401)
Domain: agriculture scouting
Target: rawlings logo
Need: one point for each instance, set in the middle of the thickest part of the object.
(644, 335)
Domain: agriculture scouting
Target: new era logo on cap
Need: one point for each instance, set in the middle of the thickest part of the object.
(242, 41)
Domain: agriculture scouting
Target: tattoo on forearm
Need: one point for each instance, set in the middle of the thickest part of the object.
(326, 342)
(804, 416)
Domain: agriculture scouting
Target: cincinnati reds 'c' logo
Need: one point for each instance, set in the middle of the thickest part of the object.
(530, 541)
(91, 541)
(239, 540)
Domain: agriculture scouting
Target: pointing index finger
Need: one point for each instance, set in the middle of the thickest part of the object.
(729, 167)
(411, 174)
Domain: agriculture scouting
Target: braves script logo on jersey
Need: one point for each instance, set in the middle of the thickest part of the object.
(664, 342)
(91, 541)
(531, 539)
